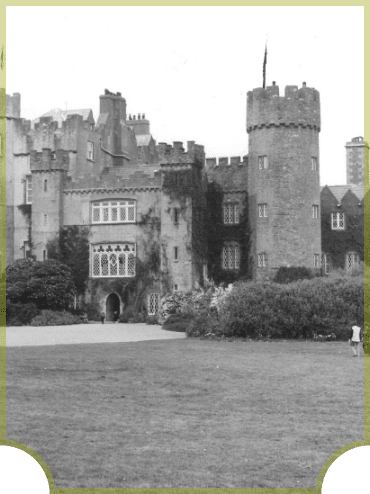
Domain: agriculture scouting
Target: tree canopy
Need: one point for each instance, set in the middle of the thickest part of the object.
(48, 284)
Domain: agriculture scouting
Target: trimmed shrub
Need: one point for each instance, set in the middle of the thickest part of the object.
(302, 309)
(290, 274)
(128, 315)
(53, 318)
(152, 320)
(204, 325)
(177, 322)
(20, 314)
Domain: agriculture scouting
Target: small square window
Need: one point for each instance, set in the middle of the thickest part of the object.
(262, 210)
(29, 189)
(262, 162)
(262, 260)
(337, 221)
(90, 150)
(175, 215)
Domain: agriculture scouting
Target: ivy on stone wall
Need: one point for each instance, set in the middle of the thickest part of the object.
(72, 248)
(339, 242)
(181, 185)
(26, 210)
(218, 234)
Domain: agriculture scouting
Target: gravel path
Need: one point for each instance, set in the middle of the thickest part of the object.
(86, 333)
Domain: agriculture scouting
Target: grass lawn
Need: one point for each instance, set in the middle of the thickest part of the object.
(185, 413)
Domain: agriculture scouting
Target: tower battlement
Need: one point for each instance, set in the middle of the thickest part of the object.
(176, 153)
(48, 160)
(298, 107)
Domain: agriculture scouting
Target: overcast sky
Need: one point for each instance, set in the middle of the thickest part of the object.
(189, 68)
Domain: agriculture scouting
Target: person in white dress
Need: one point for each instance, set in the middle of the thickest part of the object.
(355, 339)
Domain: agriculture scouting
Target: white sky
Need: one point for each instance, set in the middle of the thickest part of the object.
(189, 68)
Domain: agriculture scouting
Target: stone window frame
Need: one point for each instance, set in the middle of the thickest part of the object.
(263, 163)
(28, 185)
(338, 220)
(45, 185)
(113, 260)
(111, 211)
(314, 163)
(153, 301)
(315, 211)
(176, 252)
(352, 260)
(231, 255)
(46, 220)
(90, 151)
(262, 260)
(326, 263)
(231, 213)
(316, 260)
(263, 210)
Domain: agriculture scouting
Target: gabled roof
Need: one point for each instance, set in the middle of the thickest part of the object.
(59, 115)
(339, 191)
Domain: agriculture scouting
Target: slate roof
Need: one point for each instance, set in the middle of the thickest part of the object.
(340, 191)
(61, 115)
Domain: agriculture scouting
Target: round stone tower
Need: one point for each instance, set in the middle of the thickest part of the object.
(283, 178)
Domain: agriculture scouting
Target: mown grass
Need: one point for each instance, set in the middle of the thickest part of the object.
(185, 413)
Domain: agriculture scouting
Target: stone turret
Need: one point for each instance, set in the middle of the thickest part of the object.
(283, 178)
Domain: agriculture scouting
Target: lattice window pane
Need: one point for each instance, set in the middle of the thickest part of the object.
(341, 220)
(236, 213)
(96, 265)
(153, 303)
(104, 264)
(105, 214)
(96, 214)
(131, 213)
(226, 214)
(122, 213)
(113, 265)
(122, 265)
(131, 265)
(114, 212)
(260, 260)
(225, 258)
(260, 162)
(237, 257)
(231, 213)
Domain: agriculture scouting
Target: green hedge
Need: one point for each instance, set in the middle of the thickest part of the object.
(54, 318)
(18, 314)
(296, 310)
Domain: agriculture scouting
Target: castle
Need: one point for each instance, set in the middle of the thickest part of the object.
(160, 217)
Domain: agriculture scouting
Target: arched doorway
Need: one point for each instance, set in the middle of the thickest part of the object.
(112, 306)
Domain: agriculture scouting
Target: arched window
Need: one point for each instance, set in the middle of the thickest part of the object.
(231, 256)
(113, 260)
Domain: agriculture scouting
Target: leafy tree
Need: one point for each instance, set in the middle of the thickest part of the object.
(48, 284)
(72, 248)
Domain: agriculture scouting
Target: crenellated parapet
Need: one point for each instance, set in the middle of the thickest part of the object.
(230, 173)
(49, 160)
(176, 153)
(298, 107)
(226, 161)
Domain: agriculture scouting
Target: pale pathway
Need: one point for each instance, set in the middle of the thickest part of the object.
(86, 333)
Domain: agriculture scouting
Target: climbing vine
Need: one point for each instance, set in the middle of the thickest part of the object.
(182, 185)
(72, 248)
(26, 210)
(218, 234)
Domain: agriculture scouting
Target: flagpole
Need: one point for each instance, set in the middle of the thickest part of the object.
(264, 67)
